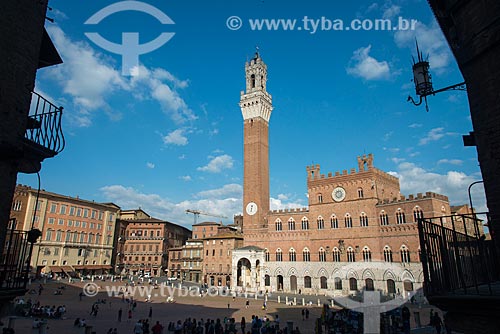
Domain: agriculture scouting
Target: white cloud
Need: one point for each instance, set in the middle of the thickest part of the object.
(454, 184)
(185, 178)
(90, 79)
(390, 11)
(397, 160)
(364, 66)
(86, 75)
(150, 165)
(168, 97)
(434, 135)
(228, 190)
(415, 125)
(162, 208)
(391, 149)
(431, 42)
(277, 204)
(182, 157)
(176, 137)
(450, 161)
(282, 197)
(59, 15)
(217, 164)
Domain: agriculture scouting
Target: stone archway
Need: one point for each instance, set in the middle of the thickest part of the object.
(244, 273)
(280, 282)
(293, 283)
(248, 264)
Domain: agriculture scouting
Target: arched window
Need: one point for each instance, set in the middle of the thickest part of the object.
(322, 255)
(320, 198)
(417, 213)
(338, 283)
(391, 286)
(321, 223)
(252, 80)
(68, 236)
(348, 220)
(363, 219)
(323, 282)
(360, 192)
(351, 256)
(279, 225)
(408, 285)
(307, 282)
(305, 223)
(400, 217)
(48, 235)
(279, 255)
(306, 255)
(387, 254)
(384, 218)
(336, 255)
(334, 222)
(266, 252)
(267, 280)
(405, 254)
(292, 256)
(291, 224)
(367, 254)
(353, 284)
(369, 284)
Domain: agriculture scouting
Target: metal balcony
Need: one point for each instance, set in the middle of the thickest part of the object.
(44, 125)
(457, 259)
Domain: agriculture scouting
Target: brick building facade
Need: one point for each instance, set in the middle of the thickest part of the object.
(358, 231)
(147, 241)
(77, 235)
(218, 255)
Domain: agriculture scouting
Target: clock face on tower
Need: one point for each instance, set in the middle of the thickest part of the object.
(251, 208)
(338, 194)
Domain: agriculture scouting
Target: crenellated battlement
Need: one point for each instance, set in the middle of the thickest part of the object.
(418, 196)
(292, 210)
(365, 164)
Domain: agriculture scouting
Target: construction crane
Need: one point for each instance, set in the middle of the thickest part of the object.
(197, 213)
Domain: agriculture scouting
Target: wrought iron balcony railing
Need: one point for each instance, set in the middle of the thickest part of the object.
(14, 269)
(45, 124)
(457, 258)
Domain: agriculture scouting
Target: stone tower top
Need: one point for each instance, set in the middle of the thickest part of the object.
(256, 74)
(255, 101)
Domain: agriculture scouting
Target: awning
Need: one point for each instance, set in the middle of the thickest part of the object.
(55, 269)
(67, 269)
(79, 267)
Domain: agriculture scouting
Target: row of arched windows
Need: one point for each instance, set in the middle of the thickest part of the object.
(400, 218)
(353, 283)
(336, 254)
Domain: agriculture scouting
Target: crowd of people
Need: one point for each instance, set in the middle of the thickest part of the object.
(34, 309)
(257, 325)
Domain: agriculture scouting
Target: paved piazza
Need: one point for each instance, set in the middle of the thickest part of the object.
(212, 307)
(184, 307)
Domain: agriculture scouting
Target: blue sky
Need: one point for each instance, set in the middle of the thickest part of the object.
(170, 138)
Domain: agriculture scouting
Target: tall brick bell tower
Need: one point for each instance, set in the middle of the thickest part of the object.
(256, 107)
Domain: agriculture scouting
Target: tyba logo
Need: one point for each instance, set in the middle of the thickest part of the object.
(130, 49)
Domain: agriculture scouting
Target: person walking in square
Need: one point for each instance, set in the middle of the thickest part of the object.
(120, 315)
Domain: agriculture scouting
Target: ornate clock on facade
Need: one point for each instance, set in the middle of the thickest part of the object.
(251, 208)
(338, 194)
